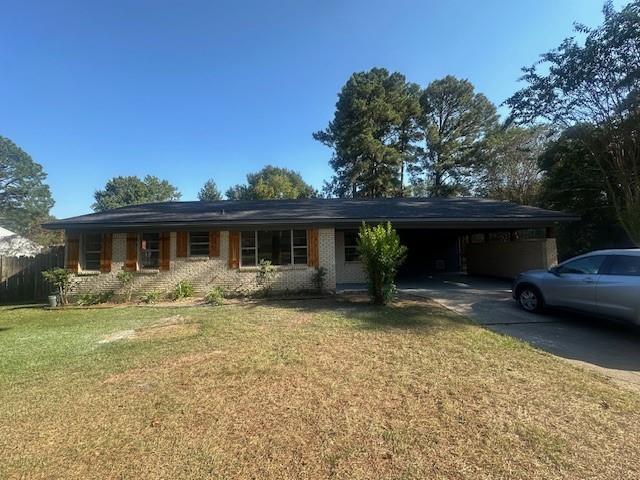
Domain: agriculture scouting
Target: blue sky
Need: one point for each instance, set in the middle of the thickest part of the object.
(196, 89)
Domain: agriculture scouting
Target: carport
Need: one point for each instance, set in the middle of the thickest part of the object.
(462, 235)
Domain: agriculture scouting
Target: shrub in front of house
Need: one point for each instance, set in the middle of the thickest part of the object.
(126, 278)
(215, 296)
(150, 297)
(87, 299)
(183, 289)
(381, 254)
(61, 279)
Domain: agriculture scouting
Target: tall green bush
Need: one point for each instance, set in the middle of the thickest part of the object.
(381, 254)
(59, 278)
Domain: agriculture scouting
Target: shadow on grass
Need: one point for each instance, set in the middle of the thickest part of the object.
(407, 312)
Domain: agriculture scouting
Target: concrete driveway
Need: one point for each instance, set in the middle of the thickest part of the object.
(608, 347)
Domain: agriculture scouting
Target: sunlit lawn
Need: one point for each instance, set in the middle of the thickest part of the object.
(298, 389)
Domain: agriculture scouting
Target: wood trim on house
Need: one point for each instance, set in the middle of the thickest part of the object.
(131, 262)
(165, 251)
(234, 250)
(106, 252)
(313, 257)
(73, 252)
(214, 244)
(182, 244)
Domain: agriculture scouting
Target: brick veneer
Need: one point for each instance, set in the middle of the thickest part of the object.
(205, 273)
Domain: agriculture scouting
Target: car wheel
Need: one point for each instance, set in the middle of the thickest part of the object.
(530, 299)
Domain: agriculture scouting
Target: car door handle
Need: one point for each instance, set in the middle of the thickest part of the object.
(588, 280)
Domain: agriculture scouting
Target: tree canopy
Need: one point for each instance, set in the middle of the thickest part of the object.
(597, 83)
(123, 191)
(372, 134)
(508, 164)
(272, 183)
(455, 120)
(25, 198)
(209, 191)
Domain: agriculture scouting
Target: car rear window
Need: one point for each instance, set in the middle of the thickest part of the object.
(626, 265)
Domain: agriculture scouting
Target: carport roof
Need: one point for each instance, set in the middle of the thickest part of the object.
(461, 212)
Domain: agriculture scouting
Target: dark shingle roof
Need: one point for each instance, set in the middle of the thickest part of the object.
(441, 212)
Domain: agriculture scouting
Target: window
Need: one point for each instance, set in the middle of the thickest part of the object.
(280, 247)
(585, 266)
(92, 250)
(351, 246)
(299, 247)
(199, 244)
(626, 265)
(150, 250)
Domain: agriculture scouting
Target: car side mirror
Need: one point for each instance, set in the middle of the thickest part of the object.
(555, 271)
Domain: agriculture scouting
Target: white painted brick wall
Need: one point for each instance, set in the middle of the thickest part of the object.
(205, 273)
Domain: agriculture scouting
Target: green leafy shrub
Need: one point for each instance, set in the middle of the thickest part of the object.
(150, 297)
(319, 278)
(94, 298)
(266, 275)
(59, 278)
(215, 296)
(184, 289)
(381, 254)
(126, 278)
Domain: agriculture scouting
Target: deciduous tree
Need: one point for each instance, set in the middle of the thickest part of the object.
(25, 198)
(595, 82)
(272, 183)
(123, 191)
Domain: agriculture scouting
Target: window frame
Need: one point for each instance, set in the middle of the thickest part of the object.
(601, 267)
(293, 248)
(85, 265)
(141, 261)
(353, 247)
(189, 243)
(607, 269)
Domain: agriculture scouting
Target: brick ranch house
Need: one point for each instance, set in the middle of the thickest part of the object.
(221, 243)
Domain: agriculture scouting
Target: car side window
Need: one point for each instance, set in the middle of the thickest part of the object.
(586, 266)
(626, 265)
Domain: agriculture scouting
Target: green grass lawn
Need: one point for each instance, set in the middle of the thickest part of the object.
(298, 389)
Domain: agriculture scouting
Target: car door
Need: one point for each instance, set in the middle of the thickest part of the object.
(574, 285)
(618, 288)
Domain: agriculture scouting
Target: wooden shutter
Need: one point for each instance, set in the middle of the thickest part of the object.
(214, 244)
(105, 253)
(182, 241)
(131, 262)
(234, 249)
(313, 259)
(165, 251)
(73, 252)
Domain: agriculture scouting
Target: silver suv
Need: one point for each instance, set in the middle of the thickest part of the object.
(606, 283)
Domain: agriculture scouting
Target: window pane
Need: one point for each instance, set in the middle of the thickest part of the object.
(248, 239)
(625, 265)
(299, 238)
(586, 266)
(300, 255)
(199, 243)
(248, 257)
(150, 250)
(92, 248)
(275, 246)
